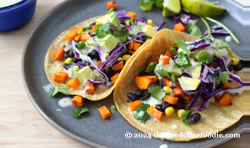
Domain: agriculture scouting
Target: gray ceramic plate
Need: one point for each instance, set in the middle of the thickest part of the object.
(92, 129)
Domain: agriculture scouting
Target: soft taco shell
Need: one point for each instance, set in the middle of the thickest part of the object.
(52, 67)
(214, 119)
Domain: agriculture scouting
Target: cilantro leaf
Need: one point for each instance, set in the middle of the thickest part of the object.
(173, 50)
(143, 107)
(105, 27)
(54, 93)
(182, 60)
(222, 44)
(222, 78)
(65, 89)
(110, 11)
(78, 111)
(181, 44)
(151, 67)
(113, 109)
(218, 80)
(171, 75)
(193, 29)
(205, 58)
(87, 28)
(121, 33)
(185, 117)
(157, 92)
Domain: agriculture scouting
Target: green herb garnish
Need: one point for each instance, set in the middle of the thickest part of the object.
(157, 92)
(121, 33)
(205, 58)
(223, 77)
(182, 60)
(193, 29)
(151, 67)
(78, 111)
(181, 44)
(80, 45)
(110, 11)
(143, 107)
(62, 88)
(185, 117)
(113, 109)
(173, 50)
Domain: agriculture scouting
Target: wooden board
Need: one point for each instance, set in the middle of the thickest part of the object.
(20, 124)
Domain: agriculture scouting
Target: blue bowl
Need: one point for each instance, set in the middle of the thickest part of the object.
(16, 15)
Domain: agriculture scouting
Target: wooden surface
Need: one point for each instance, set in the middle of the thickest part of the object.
(20, 124)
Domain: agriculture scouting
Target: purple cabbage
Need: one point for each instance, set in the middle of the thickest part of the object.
(184, 18)
(200, 43)
(194, 101)
(121, 13)
(217, 30)
(161, 25)
(142, 19)
(122, 18)
(186, 74)
(128, 26)
(238, 79)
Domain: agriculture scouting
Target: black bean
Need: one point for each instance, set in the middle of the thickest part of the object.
(142, 73)
(164, 106)
(132, 96)
(75, 59)
(145, 96)
(195, 118)
(161, 83)
(71, 53)
(66, 66)
(230, 68)
(180, 104)
(151, 85)
(158, 107)
(66, 55)
(139, 92)
(238, 67)
(108, 71)
(94, 55)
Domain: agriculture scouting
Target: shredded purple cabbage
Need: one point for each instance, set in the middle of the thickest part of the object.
(200, 43)
(184, 18)
(217, 30)
(161, 25)
(142, 19)
(122, 18)
(121, 13)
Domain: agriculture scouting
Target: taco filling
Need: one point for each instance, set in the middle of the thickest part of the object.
(94, 56)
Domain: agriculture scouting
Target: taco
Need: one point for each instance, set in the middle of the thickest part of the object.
(179, 84)
(87, 59)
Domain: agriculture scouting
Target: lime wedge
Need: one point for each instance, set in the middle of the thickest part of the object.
(202, 8)
(171, 7)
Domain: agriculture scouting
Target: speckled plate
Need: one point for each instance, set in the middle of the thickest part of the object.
(92, 129)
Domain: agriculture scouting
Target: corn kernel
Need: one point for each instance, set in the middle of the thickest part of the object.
(68, 60)
(126, 57)
(98, 22)
(150, 22)
(235, 61)
(213, 100)
(119, 59)
(127, 23)
(169, 111)
(167, 89)
(179, 112)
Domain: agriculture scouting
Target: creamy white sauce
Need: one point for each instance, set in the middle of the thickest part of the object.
(141, 113)
(175, 126)
(217, 52)
(70, 72)
(228, 38)
(48, 88)
(137, 28)
(152, 101)
(64, 102)
(164, 146)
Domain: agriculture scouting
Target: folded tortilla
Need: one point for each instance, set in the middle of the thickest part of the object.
(52, 67)
(213, 120)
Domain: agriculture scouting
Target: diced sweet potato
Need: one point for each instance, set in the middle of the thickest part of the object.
(143, 82)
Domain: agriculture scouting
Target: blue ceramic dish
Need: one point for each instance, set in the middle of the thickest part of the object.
(16, 15)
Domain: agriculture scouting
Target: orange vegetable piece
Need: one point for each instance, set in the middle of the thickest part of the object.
(61, 77)
(79, 30)
(169, 54)
(105, 113)
(178, 92)
(112, 4)
(133, 105)
(91, 88)
(77, 38)
(218, 97)
(136, 46)
(59, 54)
(77, 101)
(212, 65)
(73, 83)
(85, 37)
(225, 100)
(71, 35)
(143, 82)
(227, 85)
(179, 27)
(93, 29)
(152, 60)
(131, 45)
(99, 63)
(118, 66)
(154, 112)
(170, 83)
(171, 99)
(188, 98)
(132, 15)
(114, 78)
(164, 59)
(131, 51)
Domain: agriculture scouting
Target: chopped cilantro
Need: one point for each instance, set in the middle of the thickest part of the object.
(113, 109)
(54, 93)
(87, 28)
(157, 92)
(173, 50)
(78, 111)
(121, 33)
(151, 67)
(171, 75)
(143, 107)
(182, 60)
(102, 30)
(181, 44)
(205, 58)
(223, 77)
(185, 117)
(64, 89)
(80, 45)
(193, 29)
(222, 44)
